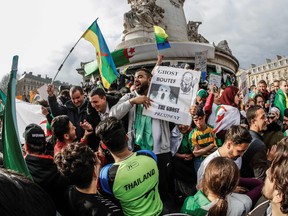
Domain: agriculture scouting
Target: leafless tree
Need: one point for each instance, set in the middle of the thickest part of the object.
(4, 83)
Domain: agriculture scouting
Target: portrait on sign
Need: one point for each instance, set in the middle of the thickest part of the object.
(187, 82)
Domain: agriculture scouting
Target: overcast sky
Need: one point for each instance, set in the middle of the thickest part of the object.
(43, 32)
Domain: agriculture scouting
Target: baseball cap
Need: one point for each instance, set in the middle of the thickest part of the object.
(202, 93)
(34, 134)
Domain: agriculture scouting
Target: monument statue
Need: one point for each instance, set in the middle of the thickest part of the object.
(223, 45)
(143, 13)
(192, 31)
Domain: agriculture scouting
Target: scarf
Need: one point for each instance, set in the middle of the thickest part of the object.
(143, 129)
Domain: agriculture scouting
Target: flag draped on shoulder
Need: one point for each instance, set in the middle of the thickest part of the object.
(226, 116)
(105, 61)
(161, 38)
(12, 153)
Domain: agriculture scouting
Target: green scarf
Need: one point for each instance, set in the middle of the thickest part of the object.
(197, 205)
(143, 127)
(185, 147)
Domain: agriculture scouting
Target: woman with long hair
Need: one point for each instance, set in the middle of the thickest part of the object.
(216, 198)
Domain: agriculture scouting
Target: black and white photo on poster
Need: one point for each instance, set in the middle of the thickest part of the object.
(159, 92)
(173, 91)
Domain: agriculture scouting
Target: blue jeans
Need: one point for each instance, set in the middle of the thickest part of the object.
(197, 163)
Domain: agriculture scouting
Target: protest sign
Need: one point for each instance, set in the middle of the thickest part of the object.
(26, 114)
(218, 69)
(43, 92)
(215, 79)
(201, 60)
(172, 90)
(244, 87)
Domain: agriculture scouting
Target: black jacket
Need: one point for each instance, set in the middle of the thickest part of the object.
(94, 119)
(76, 115)
(44, 173)
(254, 160)
(80, 204)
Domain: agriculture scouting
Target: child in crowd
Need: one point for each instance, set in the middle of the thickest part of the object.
(202, 139)
(183, 171)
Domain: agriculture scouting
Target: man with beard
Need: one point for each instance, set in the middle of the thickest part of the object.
(236, 142)
(65, 132)
(145, 132)
(187, 82)
(254, 164)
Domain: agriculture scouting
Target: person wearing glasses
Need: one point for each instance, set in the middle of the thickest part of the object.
(273, 134)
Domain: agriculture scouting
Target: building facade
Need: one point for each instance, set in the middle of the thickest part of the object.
(29, 82)
(272, 70)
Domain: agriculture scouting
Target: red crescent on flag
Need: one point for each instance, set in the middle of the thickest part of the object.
(102, 53)
(129, 52)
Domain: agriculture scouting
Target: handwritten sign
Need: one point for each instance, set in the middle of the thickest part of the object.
(244, 87)
(201, 60)
(172, 90)
(215, 79)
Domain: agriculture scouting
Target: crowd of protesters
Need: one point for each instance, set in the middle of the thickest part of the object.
(100, 155)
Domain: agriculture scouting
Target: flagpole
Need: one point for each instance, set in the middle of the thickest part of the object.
(66, 59)
(69, 54)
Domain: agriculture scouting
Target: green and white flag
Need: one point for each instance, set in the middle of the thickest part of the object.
(12, 153)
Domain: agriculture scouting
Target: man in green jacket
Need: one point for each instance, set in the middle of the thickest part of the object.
(281, 100)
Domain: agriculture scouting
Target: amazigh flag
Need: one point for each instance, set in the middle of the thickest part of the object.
(120, 57)
(12, 154)
(105, 62)
(161, 38)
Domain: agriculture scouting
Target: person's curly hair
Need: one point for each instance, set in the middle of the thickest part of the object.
(279, 172)
(76, 162)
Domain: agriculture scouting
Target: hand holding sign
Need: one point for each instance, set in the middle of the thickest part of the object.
(142, 99)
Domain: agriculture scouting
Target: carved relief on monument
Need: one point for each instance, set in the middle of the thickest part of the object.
(143, 13)
(177, 3)
(223, 45)
(192, 31)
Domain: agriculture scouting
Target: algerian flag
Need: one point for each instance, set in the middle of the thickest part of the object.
(12, 153)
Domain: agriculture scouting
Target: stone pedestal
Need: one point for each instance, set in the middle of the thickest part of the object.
(174, 19)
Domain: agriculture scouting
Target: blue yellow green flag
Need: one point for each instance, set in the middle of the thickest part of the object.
(105, 61)
(12, 153)
(161, 38)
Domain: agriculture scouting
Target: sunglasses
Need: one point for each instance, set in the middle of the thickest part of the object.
(271, 117)
(198, 119)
